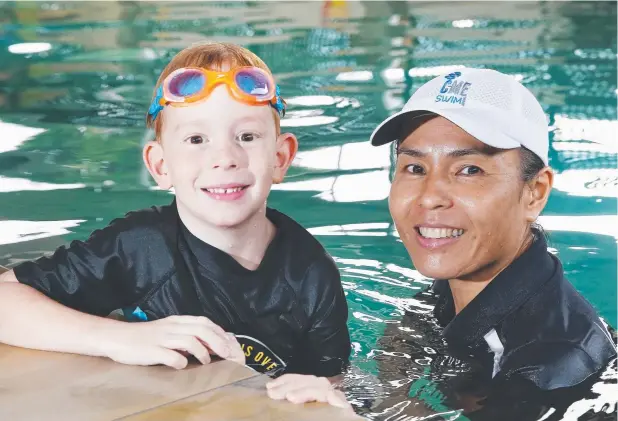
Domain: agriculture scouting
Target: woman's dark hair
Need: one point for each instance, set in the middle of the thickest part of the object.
(531, 164)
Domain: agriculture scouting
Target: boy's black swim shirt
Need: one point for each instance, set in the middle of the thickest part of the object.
(290, 314)
(529, 322)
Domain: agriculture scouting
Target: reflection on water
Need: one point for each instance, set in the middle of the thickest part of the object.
(76, 79)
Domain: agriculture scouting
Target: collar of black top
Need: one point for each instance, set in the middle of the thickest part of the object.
(218, 262)
(505, 294)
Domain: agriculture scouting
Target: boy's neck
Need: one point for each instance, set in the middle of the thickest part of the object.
(246, 243)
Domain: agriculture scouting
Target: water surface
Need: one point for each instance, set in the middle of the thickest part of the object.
(75, 83)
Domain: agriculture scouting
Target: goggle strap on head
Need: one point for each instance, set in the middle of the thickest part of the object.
(279, 105)
(156, 105)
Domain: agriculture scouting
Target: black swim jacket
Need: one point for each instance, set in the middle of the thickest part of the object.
(289, 314)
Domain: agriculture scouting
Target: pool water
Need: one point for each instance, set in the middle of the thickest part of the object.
(76, 79)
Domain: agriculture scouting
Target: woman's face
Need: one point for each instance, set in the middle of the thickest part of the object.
(460, 206)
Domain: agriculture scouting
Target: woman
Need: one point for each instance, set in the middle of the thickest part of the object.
(471, 179)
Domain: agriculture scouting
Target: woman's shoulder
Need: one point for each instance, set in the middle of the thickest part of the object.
(560, 333)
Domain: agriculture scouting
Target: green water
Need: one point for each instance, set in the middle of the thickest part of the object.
(76, 78)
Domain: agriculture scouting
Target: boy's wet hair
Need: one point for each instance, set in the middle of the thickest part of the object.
(212, 55)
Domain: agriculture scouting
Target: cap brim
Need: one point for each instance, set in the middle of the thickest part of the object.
(391, 128)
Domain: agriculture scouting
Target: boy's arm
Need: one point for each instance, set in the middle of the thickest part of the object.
(60, 302)
(30, 319)
(108, 271)
(52, 303)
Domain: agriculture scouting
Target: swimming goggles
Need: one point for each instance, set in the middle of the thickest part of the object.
(188, 85)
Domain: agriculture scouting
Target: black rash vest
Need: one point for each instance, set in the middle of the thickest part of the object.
(529, 322)
(290, 314)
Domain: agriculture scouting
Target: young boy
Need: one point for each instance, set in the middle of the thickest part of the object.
(214, 272)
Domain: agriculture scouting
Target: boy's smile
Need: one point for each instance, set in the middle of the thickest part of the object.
(231, 191)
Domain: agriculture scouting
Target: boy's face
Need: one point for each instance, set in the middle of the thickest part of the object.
(221, 156)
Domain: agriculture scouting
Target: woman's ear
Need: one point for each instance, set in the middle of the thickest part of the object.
(153, 157)
(287, 146)
(538, 193)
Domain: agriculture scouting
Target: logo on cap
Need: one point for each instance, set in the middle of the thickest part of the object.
(454, 91)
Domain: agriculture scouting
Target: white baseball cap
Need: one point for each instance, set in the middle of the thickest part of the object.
(490, 106)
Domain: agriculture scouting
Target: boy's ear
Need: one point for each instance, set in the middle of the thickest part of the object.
(155, 162)
(287, 146)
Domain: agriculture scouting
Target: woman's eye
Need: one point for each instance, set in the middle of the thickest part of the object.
(196, 140)
(415, 169)
(470, 170)
(247, 137)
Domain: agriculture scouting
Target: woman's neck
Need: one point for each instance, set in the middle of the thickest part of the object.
(466, 290)
(246, 243)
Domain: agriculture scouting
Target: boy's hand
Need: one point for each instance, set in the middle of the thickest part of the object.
(298, 388)
(167, 341)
